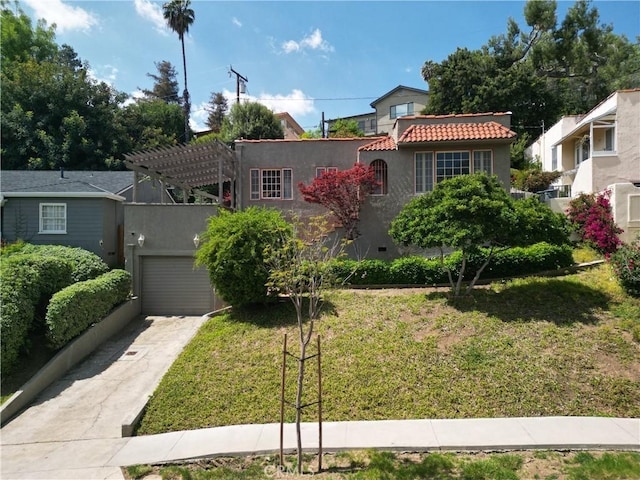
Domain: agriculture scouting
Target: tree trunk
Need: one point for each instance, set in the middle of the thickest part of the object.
(187, 101)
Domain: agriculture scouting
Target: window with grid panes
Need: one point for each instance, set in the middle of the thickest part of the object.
(451, 164)
(423, 172)
(482, 162)
(53, 218)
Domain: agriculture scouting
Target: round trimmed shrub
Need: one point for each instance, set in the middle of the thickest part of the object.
(233, 252)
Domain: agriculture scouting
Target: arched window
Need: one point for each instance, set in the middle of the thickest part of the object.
(380, 169)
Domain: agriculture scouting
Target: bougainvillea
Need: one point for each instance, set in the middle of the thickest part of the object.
(343, 192)
(592, 218)
(625, 262)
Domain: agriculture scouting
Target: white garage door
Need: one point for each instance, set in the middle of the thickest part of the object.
(171, 286)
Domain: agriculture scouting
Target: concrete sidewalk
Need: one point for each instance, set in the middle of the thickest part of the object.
(73, 430)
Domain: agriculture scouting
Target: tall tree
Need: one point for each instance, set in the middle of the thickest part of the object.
(165, 85)
(538, 73)
(251, 121)
(53, 114)
(217, 109)
(180, 17)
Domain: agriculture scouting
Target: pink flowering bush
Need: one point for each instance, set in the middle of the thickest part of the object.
(591, 217)
(625, 262)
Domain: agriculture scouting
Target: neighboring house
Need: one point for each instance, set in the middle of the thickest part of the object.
(290, 127)
(419, 152)
(73, 208)
(595, 152)
(399, 102)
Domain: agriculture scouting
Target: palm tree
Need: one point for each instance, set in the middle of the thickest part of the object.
(179, 17)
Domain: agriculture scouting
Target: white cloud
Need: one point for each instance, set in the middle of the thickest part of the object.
(198, 117)
(295, 103)
(153, 13)
(236, 22)
(314, 41)
(104, 73)
(64, 16)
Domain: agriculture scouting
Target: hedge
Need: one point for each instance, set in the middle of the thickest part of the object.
(86, 265)
(429, 271)
(27, 283)
(74, 309)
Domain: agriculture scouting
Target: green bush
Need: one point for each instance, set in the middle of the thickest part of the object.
(86, 265)
(625, 262)
(28, 282)
(428, 271)
(233, 252)
(417, 271)
(74, 309)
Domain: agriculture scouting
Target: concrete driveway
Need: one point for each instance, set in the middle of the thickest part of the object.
(74, 428)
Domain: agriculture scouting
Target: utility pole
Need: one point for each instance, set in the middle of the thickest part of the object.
(241, 82)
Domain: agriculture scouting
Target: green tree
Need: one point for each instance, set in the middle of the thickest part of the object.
(465, 213)
(233, 251)
(343, 128)
(217, 109)
(165, 85)
(152, 123)
(180, 17)
(539, 74)
(251, 121)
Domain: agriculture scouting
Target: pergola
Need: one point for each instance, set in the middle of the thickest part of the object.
(188, 167)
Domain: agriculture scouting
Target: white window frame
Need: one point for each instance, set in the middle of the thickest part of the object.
(423, 172)
(60, 221)
(258, 185)
(406, 110)
(554, 158)
(483, 167)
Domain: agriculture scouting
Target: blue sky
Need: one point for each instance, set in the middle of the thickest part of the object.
(303, 57)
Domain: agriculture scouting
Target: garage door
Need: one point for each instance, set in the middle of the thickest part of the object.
(171, 286)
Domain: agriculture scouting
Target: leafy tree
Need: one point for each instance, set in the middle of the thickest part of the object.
(299, 268)
(53, 114)
(468, 212)
(343, 192)
(315, 133)
(592, 218)
(540, 74)
(152, 123)
(233, 251)
(180, 17)
(217, 109)
(251, 121)
(343, 128)
(165, 86)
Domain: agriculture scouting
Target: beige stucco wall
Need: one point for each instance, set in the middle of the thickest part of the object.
(168, 231)
(383, 114)
(625, 199)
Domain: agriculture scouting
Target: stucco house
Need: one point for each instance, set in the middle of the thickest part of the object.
(73, 208)
(420, 151)
(595, 152)
(398, 102)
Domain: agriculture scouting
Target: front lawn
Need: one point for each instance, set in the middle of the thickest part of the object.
(527, 347)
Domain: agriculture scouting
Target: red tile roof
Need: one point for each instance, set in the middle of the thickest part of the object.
(384, 143)
(443, 132)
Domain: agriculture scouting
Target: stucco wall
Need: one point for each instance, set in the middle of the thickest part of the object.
(402, 96)
(625, 199)
(168, 231)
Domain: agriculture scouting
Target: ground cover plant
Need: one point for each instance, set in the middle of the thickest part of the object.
(360, 465)
(526, 347)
